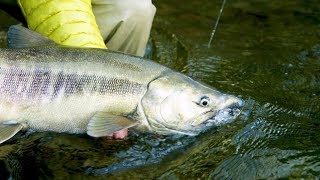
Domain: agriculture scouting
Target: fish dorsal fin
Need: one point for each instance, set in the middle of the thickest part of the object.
(7, 131)
(21, 37)
(104, 124)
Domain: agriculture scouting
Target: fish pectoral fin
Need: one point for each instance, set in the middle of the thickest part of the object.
(7, 131)
(21, 37)
(104, 124)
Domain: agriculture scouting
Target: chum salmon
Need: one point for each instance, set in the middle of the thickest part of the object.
(46, 87)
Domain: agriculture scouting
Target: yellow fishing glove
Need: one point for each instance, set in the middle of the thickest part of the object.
(67, 22)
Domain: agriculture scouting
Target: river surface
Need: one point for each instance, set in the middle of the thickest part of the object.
(265, 51)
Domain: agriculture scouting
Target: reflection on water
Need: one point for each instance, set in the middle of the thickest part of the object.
(279, 143)
(266, 52)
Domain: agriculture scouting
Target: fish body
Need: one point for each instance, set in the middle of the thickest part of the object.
(99, 92)
(59, 89)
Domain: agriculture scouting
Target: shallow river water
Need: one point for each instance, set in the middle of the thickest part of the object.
(266, 52)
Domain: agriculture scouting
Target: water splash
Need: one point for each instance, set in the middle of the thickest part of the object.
(149, 149)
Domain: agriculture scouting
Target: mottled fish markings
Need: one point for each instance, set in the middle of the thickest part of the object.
(39, 83)
(21, 84)
(46, 83)
(58, 84)
(76, 84)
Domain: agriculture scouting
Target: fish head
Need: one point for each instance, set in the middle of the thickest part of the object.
(175, 103)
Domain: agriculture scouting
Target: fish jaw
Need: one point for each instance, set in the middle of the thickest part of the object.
(209, 119)
(224, 116)
(229, 106)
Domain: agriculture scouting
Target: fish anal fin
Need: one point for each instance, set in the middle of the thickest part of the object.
(7, 131)
(21, 37)
(104, 124)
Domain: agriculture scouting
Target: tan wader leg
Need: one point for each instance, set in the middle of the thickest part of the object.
(125, 24)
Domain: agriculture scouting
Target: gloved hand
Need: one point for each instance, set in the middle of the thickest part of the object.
(124, 25)
(70, 23)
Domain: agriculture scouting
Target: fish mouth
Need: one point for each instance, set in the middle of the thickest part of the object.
(214, 118)
(223, 116)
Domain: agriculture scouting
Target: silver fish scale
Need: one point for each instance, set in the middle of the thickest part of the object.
(59, 89)
(44, 74)
(18, 84)
(118, 86)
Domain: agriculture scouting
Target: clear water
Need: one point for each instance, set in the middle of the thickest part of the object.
(267, 52)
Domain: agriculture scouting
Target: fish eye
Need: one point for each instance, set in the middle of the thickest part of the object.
(204, 101)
